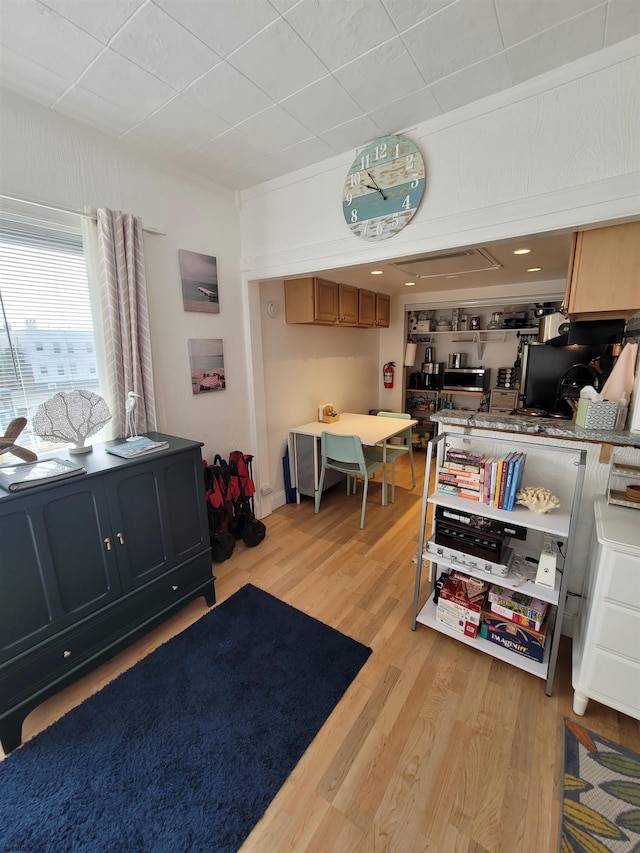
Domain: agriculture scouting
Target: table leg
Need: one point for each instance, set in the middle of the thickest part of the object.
(384, 479)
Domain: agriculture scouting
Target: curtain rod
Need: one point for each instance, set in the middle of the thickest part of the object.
(87, 215)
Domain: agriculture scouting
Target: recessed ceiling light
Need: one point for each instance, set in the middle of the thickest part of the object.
(521, 251)
(409, 283)
(452, 276)
(377, 272)
(534, 269)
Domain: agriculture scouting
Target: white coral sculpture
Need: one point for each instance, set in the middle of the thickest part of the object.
(537, 499)
(71, 416)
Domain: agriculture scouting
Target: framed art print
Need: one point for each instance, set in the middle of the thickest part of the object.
(206, 361)
(199, 275)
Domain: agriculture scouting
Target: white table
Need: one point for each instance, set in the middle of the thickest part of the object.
(369, 428)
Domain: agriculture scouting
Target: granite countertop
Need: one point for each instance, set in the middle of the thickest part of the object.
(555, 427)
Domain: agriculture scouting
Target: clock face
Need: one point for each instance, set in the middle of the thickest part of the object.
(383, 188)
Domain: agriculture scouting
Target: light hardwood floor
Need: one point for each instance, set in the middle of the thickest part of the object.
(435, 746)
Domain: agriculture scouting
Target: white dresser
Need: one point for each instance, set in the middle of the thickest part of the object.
(606, 645)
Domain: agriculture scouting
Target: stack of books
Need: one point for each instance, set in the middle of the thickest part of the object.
(492, 480)
(462, 474)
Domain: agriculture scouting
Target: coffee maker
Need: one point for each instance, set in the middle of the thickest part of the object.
(432, 371)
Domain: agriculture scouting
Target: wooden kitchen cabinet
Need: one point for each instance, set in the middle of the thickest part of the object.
(603, 280)
(315, 301)
(348, 304)
(366, 307)
(311, 300)
(383, 310)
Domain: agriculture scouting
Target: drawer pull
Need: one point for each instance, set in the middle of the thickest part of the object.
(107, 542)
(66, 654)
(120, 538)
(174, 588)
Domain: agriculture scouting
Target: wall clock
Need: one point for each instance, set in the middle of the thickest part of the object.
(383, 188)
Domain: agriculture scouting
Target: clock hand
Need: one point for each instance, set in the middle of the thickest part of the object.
(376, 185)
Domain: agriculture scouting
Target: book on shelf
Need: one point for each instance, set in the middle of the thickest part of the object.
(137, 447)
(26, 475)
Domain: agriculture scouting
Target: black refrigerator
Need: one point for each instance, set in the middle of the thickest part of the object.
(552, 376)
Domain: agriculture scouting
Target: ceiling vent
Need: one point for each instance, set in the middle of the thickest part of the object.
(449, 263)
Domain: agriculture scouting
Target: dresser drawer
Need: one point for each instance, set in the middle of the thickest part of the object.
(616, 683)
(620, 580)
(617, 629)
(54, 660)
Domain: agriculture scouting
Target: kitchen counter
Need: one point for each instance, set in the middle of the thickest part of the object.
(521, 424)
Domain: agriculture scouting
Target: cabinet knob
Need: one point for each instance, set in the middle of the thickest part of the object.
(107, 542)
(120, 538)
(66, 654)
(174, 588)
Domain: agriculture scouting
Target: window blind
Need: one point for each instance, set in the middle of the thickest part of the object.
(47, 339)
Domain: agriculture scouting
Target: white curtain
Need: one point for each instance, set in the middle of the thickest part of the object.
(126, 318)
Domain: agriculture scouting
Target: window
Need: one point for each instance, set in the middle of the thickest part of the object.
(45, 313)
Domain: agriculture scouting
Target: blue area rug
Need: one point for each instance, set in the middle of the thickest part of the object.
(185, 751)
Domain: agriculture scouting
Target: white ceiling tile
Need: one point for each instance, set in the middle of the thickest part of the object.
(27, 78)
(163, 47)
(341, 30)
(382, 75)
(272, 130)
(305, 153)
(557, 46)
(156, 143)
(352, 134)
(100, 18)
(88, 108)
(240, 180)
(278, 61)
(228, 93)
(459, 35)
(231, 151)
(284, 5)
(527, 18)
(197, 163)
(406, 13)
(118, 80)
(471, 84)
(185, 121)
(402, 113)
(623, 20)
(221, 24)
(40, 34)
(322, 105)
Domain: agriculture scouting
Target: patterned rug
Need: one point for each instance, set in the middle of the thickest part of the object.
(600, 796)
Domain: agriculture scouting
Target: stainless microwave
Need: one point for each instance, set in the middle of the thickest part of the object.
(465, 379)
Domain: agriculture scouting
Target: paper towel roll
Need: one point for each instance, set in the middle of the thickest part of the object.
(622, 376)
(633, 421)
(410, 355)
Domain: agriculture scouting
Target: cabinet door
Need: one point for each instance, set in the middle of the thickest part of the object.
(383, 310)
(325, 301)
(158, 516)
(604, 273)
(57, 563)
(348, 296)
(366, 307)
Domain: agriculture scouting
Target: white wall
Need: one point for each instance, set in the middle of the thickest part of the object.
(48, 158)
(556, 153)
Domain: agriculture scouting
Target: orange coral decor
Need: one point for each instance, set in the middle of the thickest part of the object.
(600, 796)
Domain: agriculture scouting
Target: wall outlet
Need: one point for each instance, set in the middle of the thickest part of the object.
(267, 489)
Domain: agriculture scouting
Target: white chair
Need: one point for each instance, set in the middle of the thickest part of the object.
(394, 451)
(344, 453)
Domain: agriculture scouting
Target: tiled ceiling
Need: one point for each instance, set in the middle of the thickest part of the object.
(242, 91)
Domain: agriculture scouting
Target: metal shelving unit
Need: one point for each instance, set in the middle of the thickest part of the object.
(560, 524)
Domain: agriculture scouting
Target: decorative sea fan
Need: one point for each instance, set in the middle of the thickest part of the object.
(8, 445)
(71, 416)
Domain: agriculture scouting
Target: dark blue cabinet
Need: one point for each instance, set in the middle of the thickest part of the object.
(88, 565)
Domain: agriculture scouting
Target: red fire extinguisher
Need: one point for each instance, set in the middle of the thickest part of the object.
(387, 374)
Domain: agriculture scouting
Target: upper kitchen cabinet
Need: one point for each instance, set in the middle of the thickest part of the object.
(603, 280)
(319, 302)
(311, 300)
(383, 310)
(366, 307)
